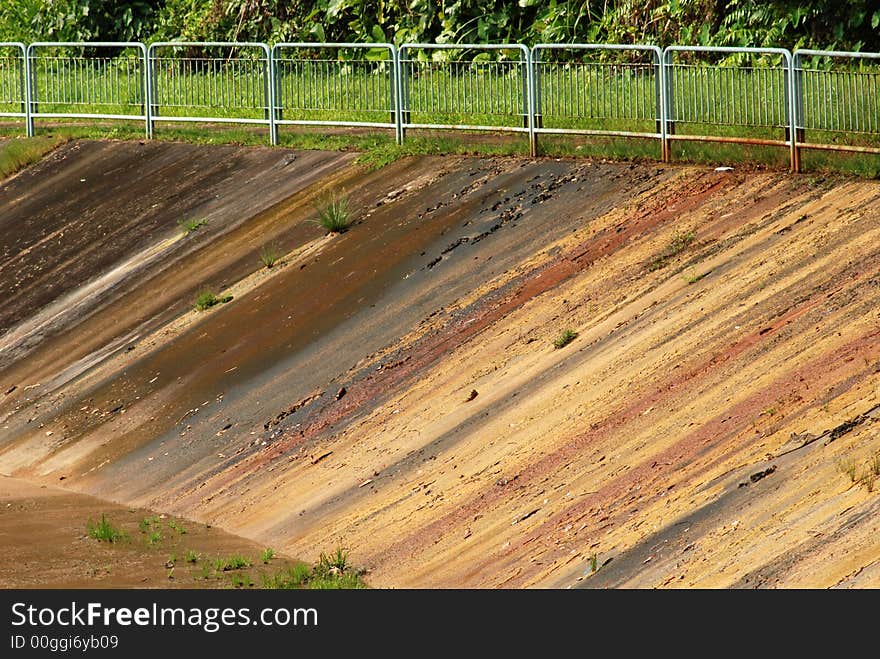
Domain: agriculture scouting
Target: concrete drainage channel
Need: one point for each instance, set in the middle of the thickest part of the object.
(397, 385)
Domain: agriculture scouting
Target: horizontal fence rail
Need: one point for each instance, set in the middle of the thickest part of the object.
(85, 80)
(13, 86)
(336, 84)
(811, 99)
(837, 100)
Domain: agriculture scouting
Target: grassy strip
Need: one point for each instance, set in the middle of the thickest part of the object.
(379, 149)
(18, 153)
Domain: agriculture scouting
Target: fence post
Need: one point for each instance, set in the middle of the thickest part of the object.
(537, 110)
(30, 93)
(530, 101)
(145, 91)
(402, 94)
(667, 111)
(270, 95)
(153, 81)
(660, 104)
(796, 111)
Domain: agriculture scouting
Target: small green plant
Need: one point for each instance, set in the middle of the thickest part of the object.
(680, 241)
(565, 338)
(191, 224)
(172, 559)
(770, 411)
(333, 213)
(241, 580)
(693, 277)
(234, 562)
(270, 255)
(192, 556)
(177, 528)
(850, 468)
(338, 560)
(208, 299)
(206, 571)
(868, 479)
(875, 464)
(594, 563)
(154, 538)
(146, 523)
(104, 531)
(267, 555)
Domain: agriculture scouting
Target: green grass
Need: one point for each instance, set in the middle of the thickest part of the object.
(267, 555)
(240, 580)
(20, 152)
(693, 277)
(147, 523)
(191, 224)
(331, 572)
(234, 562)
(104, 531)
(377, 148)
(680, 241)
(154, 538)
(207, 299)
(334, 213)
(564, 339)
(177, 528)
(192, 556)
(270, 255)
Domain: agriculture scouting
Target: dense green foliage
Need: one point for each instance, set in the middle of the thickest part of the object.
(789, 23)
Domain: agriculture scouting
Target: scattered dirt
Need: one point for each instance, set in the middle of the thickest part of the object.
(45, 544)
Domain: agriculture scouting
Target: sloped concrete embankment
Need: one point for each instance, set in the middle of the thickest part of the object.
(396, 388)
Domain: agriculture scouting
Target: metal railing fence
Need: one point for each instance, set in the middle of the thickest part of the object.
(598, 89)
(763, 96)
(336, 84)
(86, 80)
(13, 87)
(216, 82)
(465, 87)
(708, 98)
(836, 100)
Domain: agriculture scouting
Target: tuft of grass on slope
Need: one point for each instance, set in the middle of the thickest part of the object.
(189, 225)
(20, 152)
(334, 213)
(104, 531)
(208, 299)
(565, 338)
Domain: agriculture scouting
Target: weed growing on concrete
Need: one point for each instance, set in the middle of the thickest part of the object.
(191, 224)
(270, 255)
(333, 213)
(565, 338)
(208, 299)
(680, 241)
(693, 277)
(104, 531)
(849, 467)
